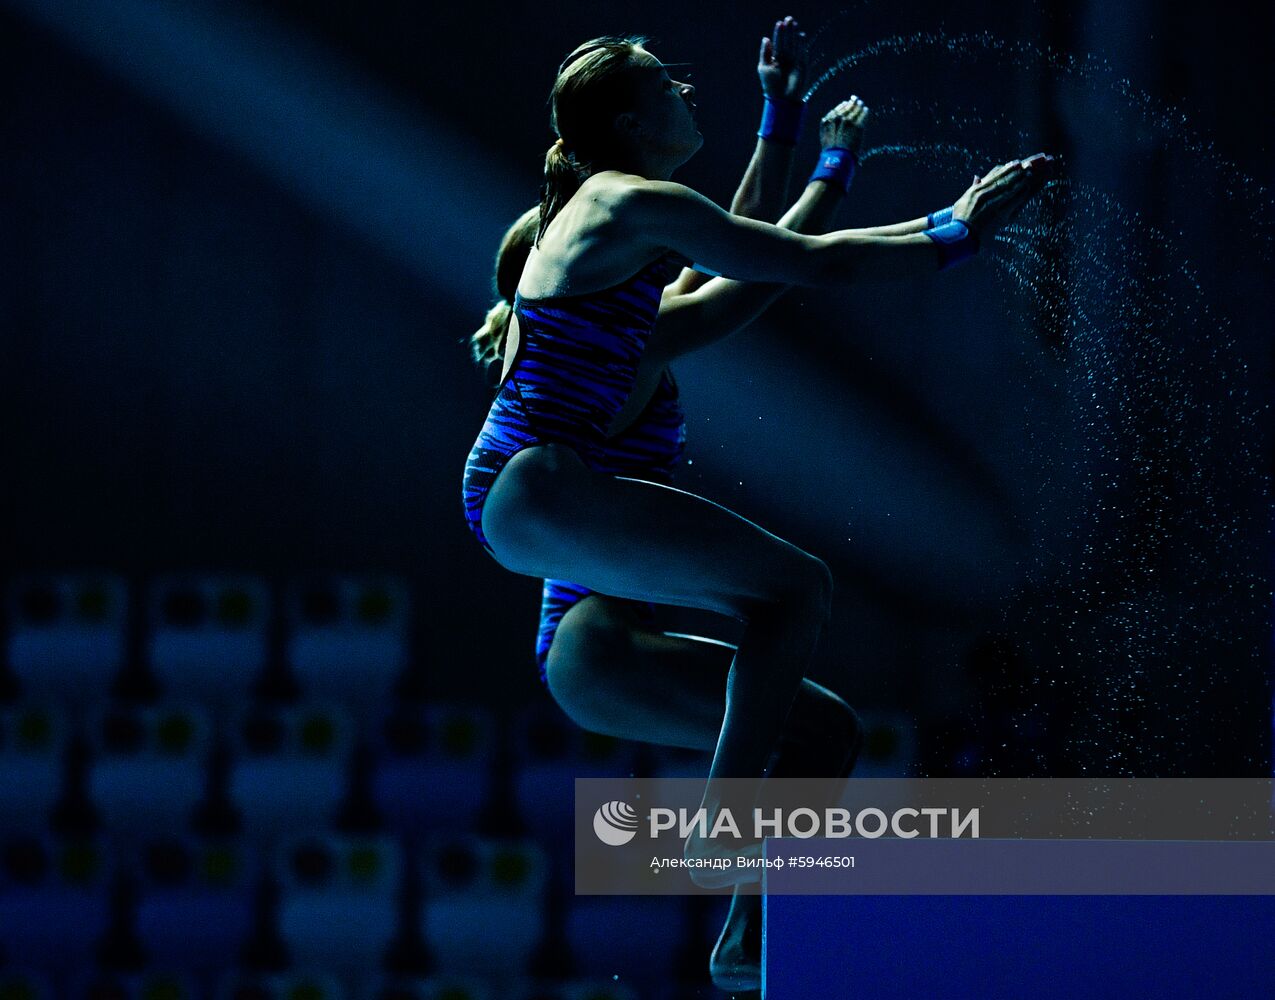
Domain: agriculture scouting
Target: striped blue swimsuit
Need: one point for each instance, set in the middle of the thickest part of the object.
(649, 448)
(575, 366)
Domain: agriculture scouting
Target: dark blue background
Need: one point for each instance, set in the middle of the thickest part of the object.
(223, 349)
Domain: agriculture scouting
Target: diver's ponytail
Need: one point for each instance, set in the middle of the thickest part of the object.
(562, 180)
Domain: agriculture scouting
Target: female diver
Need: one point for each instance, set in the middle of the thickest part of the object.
(613, 231)
(602, 657)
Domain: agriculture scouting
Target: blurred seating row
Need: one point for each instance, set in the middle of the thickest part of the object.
(31, 984)
(347, 818)
(208, 637)
(336, 902)
(206, 640)
(143, 769)
(427, 767)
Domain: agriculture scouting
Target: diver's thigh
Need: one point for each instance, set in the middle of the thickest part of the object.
(550, 515)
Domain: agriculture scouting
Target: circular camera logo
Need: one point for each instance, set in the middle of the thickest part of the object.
(615, 823)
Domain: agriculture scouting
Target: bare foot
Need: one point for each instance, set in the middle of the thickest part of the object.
(736, 960)
(727, 861)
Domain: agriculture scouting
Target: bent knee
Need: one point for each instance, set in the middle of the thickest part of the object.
(587, 659)
(828, 712)
(805, 587)
(823, 586)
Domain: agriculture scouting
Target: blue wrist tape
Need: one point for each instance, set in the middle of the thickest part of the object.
(836, 165)
(781, 120)
(940, 218)
(955, 241)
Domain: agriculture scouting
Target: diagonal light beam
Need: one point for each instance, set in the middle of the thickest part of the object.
(427, 197)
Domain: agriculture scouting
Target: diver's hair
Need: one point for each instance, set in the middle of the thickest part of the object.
(487, 344)
(595, 83)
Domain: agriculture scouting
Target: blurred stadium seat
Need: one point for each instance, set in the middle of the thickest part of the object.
(339, 903)
(33, 746)
(433, 767)
(483, 907)
(347, 640)
(207, 637)
(196, 899)
(289, 768)
(67, 635)
(55, 901)
(148, 767)
(549, 753)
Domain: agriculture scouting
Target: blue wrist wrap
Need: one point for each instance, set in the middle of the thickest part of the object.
(955, 241)
(836, 165)
(940, 218)
(781, 120)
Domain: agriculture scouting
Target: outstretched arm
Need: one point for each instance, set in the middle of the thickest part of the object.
(718, 308)
(662, 216)
(781, 68)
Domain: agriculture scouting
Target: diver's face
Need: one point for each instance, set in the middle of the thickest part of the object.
(666, 110)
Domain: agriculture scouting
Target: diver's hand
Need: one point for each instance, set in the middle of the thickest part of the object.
(992, 200)
(843, 126)
(781, 66)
